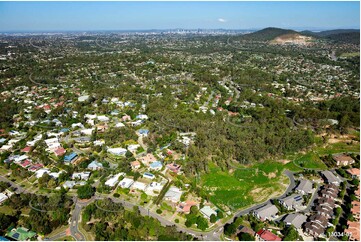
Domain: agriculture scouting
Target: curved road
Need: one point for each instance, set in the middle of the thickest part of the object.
(213, 235)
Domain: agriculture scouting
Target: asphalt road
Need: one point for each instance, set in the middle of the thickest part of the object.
(19, 189)
(213, 235)
(74, 223)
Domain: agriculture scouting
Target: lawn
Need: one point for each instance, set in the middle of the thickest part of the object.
(245, 186)
(310, 160)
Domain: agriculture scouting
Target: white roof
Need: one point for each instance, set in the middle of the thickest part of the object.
(173, 194)
(133, 147)
(81, 175)
(83, 98)
(39, 173)
(207, 211)
(95, 164)
(21, 158)
(103, 118)
(90, 116)
(3, 197)
(69, 184)
(52, 140)
(118, 125)
(117, 151)
(126, 183)
(86, 131)
(139, 185)
(113, 180)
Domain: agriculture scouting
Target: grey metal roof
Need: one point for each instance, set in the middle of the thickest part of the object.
(305, 186)
(267, 211)
(296, 219)
(330, 177)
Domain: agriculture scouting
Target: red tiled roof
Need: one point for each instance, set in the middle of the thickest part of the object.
(26, 149)
(354, 171)
(186, 206)
(60, 151)
(268, 236)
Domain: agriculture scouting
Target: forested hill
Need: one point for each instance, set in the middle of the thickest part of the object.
(338, 35)
(268, 34)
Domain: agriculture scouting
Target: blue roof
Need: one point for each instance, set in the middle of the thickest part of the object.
(3, 239)
(70, 157)
(148, 174)
(64, 130)
(156, 164)
(143, 131)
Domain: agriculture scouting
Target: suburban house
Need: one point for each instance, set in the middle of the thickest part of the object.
(95, 165)
(305, 187)
(324, 210)
(71, 158)
(69, 184)
(207, 212)
(319, 219)
(354, 172)
(143, 132)
(329, 177)
(353, 230)
(147, 159)
(314, 229)
(329, 191)
(173, 194)
(60, 151)
(185, 207)
(154, 188)
(3, 197)
(133, 148)
(295, 219)
(293, 201)
(356, 209)
(135, 165)
(27, 149)
(126, 183)
(117, 151)
(265, 235)
(111, 182)
(148, 175)
(343, 160)
(173, 167)
(139, 186)
(157, 165)
(267, 212)
(81, 175)
(142, 116)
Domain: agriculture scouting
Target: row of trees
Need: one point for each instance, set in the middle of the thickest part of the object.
(113, 222)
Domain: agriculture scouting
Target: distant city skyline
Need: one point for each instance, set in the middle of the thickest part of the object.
(112, 16)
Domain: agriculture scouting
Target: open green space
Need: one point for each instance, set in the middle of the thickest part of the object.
(310, 160)
(351, 54)
(245, 186)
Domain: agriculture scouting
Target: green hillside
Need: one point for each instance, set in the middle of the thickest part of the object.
(267, 34)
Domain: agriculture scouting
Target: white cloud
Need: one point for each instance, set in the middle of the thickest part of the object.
(222, 20)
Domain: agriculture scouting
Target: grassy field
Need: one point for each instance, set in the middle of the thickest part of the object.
(245, 186)
(352, 54)
(310, 160)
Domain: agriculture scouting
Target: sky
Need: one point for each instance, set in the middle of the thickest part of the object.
(88, 16)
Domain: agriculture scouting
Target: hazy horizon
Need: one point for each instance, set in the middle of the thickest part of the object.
(145, 16)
